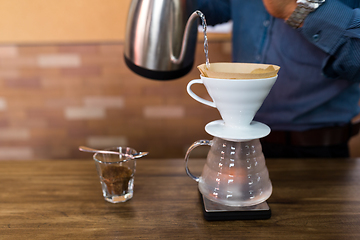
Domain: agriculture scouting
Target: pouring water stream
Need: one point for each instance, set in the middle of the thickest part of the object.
(206, 45)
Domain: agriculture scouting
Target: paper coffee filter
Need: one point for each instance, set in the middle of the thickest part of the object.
(238, 70)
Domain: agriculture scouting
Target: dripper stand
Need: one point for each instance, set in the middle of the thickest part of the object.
(224, 183)
(254, 130)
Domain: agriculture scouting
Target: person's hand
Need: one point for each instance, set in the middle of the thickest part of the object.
(280, 8)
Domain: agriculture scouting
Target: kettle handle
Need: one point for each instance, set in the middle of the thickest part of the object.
(196, 97)
(194, 145)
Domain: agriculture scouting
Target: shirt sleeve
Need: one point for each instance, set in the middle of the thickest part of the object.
(215, 11)
(335, 28)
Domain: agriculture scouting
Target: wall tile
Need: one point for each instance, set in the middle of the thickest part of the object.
(18, 62)
(62, 102)
(8, 51)
(31, 50)
(111, 49)
(3, 104)
(164, 112)
(82, 71)
(22, 82)
(16, 153)
(80, 113)
(6, 72)
(14, 134)
(58, 60)
(104, 101)
(62, 83)
(88, 49)
(106, 141)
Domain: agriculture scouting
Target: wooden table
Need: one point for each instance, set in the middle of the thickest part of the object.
(312, 199)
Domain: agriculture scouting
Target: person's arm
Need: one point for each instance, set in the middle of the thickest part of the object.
(280, 8)
(215, 11)
(335, 28)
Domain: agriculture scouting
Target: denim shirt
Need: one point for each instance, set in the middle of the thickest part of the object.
(318, 83)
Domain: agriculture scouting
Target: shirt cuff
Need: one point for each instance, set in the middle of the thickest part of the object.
(326, 26)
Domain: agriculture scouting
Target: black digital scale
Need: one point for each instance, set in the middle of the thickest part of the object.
(217, 212)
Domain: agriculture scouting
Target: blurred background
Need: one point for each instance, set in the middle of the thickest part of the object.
(64, 83)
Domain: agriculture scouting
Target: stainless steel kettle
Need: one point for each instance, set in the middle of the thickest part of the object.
(161, 38)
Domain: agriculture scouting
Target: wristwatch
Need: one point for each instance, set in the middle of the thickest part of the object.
(304, 7)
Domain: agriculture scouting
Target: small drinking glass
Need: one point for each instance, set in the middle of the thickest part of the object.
(116, 173)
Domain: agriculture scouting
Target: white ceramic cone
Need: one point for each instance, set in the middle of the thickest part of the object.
(237, 100)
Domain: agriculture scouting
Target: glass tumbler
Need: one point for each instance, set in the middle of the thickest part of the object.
(116, 173)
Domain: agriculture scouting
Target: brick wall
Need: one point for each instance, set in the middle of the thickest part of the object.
(54, 98)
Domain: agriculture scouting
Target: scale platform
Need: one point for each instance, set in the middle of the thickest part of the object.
(217, 212)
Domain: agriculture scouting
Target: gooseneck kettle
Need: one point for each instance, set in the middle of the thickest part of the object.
(161, 38)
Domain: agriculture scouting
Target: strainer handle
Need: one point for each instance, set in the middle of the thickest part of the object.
(196, 97)
(194, 145)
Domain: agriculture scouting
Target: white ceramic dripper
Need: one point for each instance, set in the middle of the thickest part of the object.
(237, 100)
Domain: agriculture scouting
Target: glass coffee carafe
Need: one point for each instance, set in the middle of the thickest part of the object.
(235, 173)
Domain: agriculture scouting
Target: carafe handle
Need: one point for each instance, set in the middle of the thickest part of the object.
(194, 145)
(196, 97)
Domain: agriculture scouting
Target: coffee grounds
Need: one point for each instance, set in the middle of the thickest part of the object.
(116, 179)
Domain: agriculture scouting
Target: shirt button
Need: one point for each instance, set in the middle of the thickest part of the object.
(266, 23)
(258, 57)
(316, 37)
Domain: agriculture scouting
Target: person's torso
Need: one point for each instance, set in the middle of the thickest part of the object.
(302, 98)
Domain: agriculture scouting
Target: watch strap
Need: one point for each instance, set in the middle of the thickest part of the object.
(299, 15)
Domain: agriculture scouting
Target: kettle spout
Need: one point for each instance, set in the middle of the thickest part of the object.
(193, 17)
